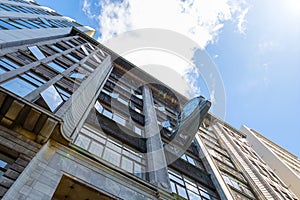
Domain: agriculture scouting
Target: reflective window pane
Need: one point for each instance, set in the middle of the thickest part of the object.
(52, 98)
(127, 164)
(82, 141)
(6, 25)
(37, 52)
(8, 64)
(56, 66)
(112, 156)
(96, 149)
(84, 50)
(56, 48)
(73, 58)
(193, 196)
(19, 86)
(77, 76)
(181, 191)
(119, 119)
(98, 107)
(107, 113)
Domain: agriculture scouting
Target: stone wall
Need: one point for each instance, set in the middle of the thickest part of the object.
(19, 148)
(41, 177)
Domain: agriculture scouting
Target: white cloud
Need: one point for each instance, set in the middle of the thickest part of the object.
(87, 9)
(199, 20)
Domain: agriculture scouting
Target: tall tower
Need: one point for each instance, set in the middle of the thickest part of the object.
(77, 121)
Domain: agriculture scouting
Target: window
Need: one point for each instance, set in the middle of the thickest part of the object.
(112, 151)
(52, 98)
(19, 86)
(237, 185)
(34, 78)
(189, 188)
(7, 25)
(56, 48)
(37, 52)
(191, 160)
(166, 124)
(7, 65)
(98, 107)
(56, 66)
(77, 75)
(73, 58)
(84, 50)
(26, 23)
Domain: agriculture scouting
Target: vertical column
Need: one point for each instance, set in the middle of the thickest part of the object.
(157, 165)
(83, 99)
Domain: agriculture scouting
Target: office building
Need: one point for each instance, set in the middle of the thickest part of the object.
(77, 121)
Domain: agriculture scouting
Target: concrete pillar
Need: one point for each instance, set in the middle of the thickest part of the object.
(157, 165)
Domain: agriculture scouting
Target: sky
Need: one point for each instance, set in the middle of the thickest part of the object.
(254, 46)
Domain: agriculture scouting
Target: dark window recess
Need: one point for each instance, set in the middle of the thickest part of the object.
(137, 117)
(27, 53)
(21, 57)
(67, 84)
(47, 72)
(65, 60)
(47, 50)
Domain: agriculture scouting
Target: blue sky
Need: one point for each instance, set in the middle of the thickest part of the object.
(254, 44)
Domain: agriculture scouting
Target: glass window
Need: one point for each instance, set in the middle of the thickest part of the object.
(73, 58)
(20, 26)
(84, 50)
(2, 71)
(56, 66)
(33, 78)
(161, 108)
(56, 48)
(37, 52)
(7, 64)
(46, 22)
(166, 124)
(112, 156)
(97, 59)
(114, 95)
(181, 191)
(127, 164)
(119, 119)
(88, 67)
(98, 107)
(64, 94)
(96, 148)
(193, 196)
(52, 98)
(77, 75)
(107, 113)
(122, 101)
(7, 25)
(188, 188)
(137, 130)
(83, 141)
(114, 151)
(19, 86)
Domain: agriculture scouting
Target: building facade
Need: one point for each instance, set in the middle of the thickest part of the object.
(77, 121)
(285, 164)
